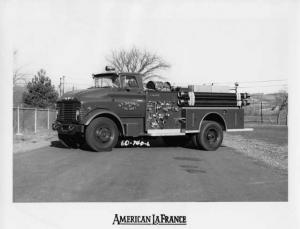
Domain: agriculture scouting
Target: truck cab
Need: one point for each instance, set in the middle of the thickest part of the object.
(119, 105)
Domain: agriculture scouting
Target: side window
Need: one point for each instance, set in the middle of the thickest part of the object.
(129, 81)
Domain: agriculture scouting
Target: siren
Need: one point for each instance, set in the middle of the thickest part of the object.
(109, 68)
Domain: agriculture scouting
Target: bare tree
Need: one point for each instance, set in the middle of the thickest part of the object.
(281, 104)
(137, 61)
(18, 75)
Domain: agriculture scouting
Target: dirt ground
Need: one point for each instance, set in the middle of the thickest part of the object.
(30, 141)
(275, 134)
(266, 143)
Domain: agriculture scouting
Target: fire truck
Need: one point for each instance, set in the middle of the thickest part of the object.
(120, 105)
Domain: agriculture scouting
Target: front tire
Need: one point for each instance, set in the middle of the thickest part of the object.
(210, 137)
(102, 134)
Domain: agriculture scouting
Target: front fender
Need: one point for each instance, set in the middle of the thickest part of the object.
(105, 113)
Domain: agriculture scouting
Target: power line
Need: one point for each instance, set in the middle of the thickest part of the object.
(279, 85)
(258, 81)
(262, 81)
(79, 83)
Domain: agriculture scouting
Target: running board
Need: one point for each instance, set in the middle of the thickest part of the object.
(177, 132)
(239, 130)
(165, 132)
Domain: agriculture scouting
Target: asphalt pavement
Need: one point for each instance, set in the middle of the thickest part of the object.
(151, 174)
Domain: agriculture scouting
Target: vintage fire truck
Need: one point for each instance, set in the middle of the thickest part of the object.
(120, 105)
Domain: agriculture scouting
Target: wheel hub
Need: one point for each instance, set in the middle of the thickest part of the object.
(212, 136)
(103, 134)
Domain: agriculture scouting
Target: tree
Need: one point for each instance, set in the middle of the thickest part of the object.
(40, 92)
(137, 61)
(281, 104)
(18, 75)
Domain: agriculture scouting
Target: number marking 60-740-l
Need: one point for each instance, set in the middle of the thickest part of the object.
(125, 143)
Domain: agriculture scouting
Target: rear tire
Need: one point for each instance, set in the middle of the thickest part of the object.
(195, 141)
(102, 134)
(210, 137)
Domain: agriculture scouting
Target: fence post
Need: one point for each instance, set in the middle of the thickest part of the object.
(261, 113)
(48, 119)
(18, 121)
(35, 119)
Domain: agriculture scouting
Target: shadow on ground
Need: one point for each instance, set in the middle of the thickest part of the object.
(59, 144)
(148, 142)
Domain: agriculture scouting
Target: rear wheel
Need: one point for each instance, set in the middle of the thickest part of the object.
(210, 137)
(195, 141)
(102, 134)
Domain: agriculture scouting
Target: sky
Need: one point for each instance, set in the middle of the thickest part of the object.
(204, 41)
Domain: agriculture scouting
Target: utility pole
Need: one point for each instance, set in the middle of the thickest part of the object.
(63, 91)
(253, 105)
(261, 113)
(60, 87)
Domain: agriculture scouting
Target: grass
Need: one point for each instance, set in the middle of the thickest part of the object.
(275, 134)
(267, 143)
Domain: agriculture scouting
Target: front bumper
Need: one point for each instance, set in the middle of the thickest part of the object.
(69, 128)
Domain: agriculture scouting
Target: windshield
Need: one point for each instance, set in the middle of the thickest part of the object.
(107, 82)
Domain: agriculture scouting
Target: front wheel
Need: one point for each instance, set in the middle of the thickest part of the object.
(102, 134)
(210, 137)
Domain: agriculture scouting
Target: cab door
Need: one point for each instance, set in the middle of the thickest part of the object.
(130, 99)
(130, 103)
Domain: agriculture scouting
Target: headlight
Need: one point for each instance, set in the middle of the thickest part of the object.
(77, 115)
(68, 98)
(56, 113)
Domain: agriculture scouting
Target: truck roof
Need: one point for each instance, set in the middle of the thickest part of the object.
(114, 74)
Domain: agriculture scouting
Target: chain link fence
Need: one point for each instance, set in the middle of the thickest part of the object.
(32, 120)
(265, 113)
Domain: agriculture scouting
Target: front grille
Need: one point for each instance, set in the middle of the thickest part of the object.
(67, 111)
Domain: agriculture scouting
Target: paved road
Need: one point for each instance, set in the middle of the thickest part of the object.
(158, 174)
